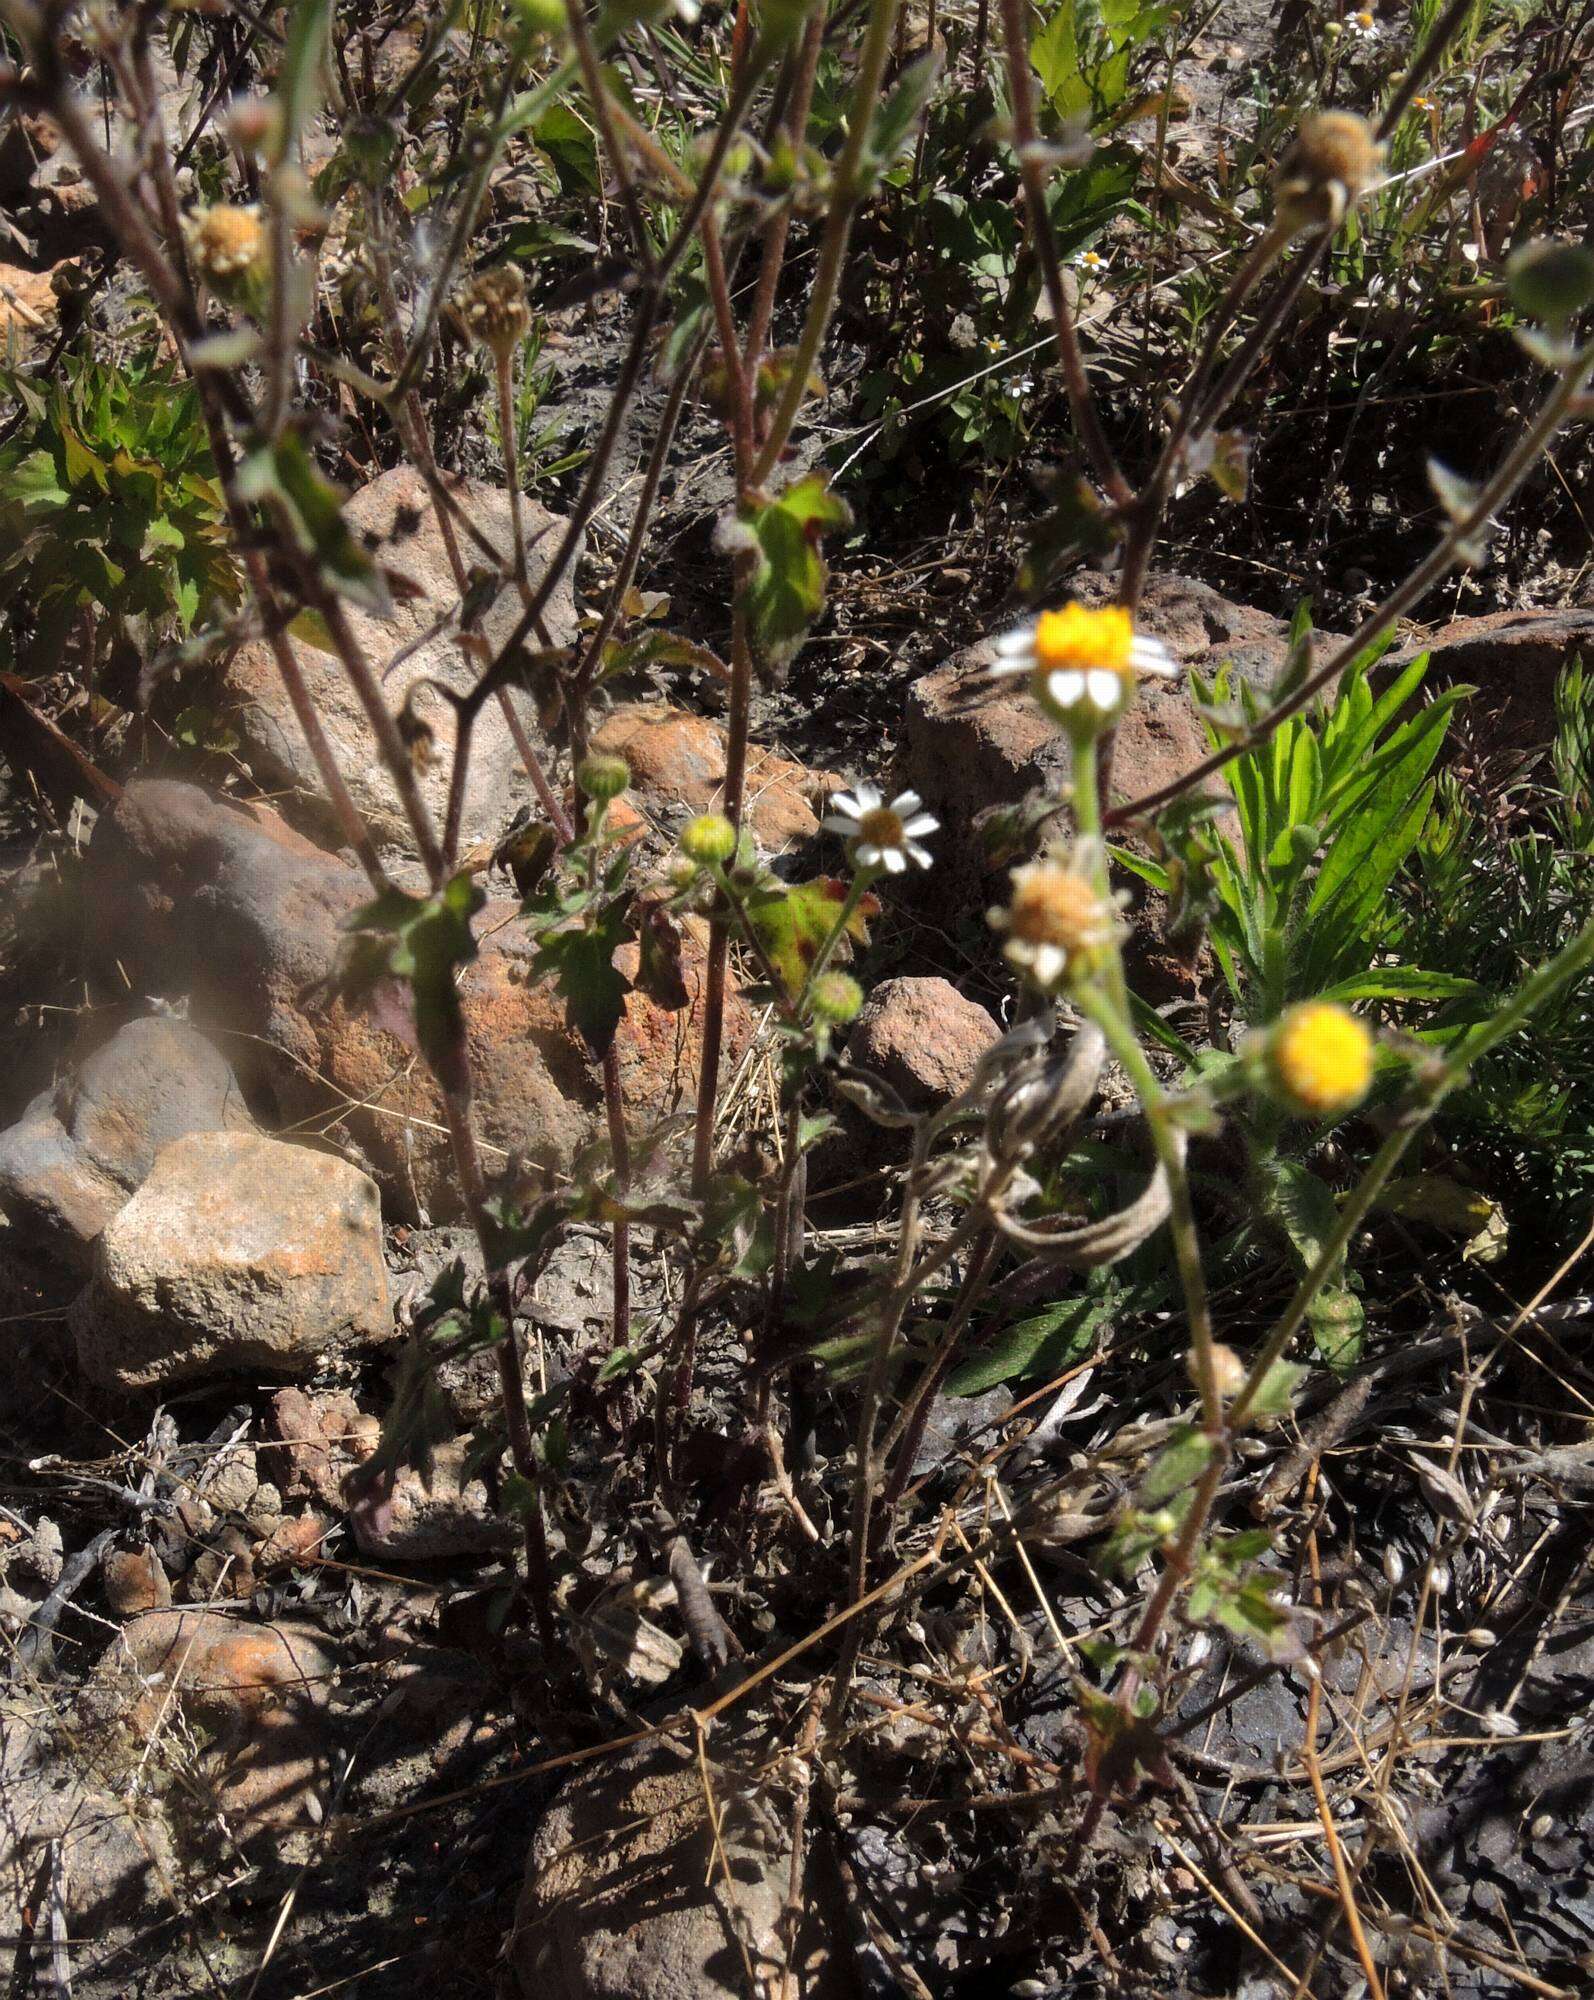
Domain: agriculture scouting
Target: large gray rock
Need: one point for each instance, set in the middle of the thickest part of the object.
(84, 1146)
(237, 1252)
(394, 519)
(623, 1899)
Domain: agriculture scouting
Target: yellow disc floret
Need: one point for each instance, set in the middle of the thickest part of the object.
(1079, 637)
(1054, 919)
(1321, 1059)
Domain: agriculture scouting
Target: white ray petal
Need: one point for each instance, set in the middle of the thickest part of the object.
(1104, 687)
(1066, 687)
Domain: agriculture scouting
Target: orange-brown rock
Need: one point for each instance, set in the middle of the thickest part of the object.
(1513, 658)
(923, 1037)
(134, 1581)
(678, 761)
(254, 1692)
(970, 742)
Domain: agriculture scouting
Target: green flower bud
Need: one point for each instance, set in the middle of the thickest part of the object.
(836, 996)
(709, 840)
(1551, 281)
(543, 17)
(602, 777)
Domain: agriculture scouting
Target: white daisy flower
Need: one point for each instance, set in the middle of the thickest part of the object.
(1083, 664)
(1054, 919)
(1089, 260)
(883, 836)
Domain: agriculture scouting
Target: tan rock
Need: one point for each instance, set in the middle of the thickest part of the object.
(623, 1901)
(30, 303)
(393, 518)
(85, 1145)
(237, 1252)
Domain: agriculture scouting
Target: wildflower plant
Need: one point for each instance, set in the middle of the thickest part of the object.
(815, 131)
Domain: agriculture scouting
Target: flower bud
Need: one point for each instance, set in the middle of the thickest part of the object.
(1550, 281)
(543, 17)
(602, 777)
(1318, 1059)
(836, 997)
(709, 840)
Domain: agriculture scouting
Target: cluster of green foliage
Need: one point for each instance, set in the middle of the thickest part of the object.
(1493, 885)
(108, 506)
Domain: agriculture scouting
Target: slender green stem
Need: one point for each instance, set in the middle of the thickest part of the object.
(845, 198)
(860, 886)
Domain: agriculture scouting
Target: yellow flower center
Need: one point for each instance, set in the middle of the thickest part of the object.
(882, 828)
(1323, 1057)
(1364, 20)
(1078, 637)
(1054, 906)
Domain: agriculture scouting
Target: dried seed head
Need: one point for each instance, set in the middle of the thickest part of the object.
(1334, 159)
(492, 309)
(227, 243)
(1055, 920)
(1394, 1567)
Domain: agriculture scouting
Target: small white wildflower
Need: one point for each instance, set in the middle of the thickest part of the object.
(1054, 921)
(1082, 664)
(884, 836)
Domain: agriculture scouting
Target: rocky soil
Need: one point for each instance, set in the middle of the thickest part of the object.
(267, 1727)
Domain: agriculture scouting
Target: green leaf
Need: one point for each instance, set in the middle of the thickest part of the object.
(1276, 1395)
(1301, 1205)
(1177, 1466)
(793, 920)
(299, 77)
(1044, 1343)
(426, 939)
(897, 118)
(1337, 1323)
(786, 590)
(582, 963)
(1403, 982)
(1083, 203)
